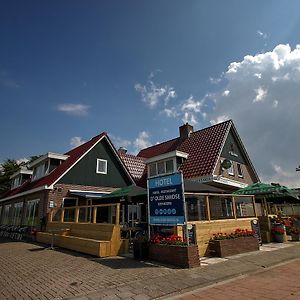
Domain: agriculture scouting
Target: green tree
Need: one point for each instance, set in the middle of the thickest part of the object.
(7, 168)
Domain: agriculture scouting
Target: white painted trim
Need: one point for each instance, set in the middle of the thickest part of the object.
(99, 160)
(40, 188)
(221, 148)
(167, 155)
(79, 159)
(21, 171)
(82, 191)
(219, 179)
(48, 155)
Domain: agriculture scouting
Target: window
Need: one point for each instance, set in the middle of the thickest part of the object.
(152, 170)
(231, 169)
(170, 166)
(196, 208)
(220, 207)
(68, 202)
(17, 213)
(40, 171)
(161, 167)
(32, 213)
(6, 213)
(16, 182)
(244, 207)
(101, 166)
(239, 170)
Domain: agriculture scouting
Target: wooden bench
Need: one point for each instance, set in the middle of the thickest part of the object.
(101, 240)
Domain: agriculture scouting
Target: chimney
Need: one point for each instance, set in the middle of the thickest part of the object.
(122, 150)
(185, 131)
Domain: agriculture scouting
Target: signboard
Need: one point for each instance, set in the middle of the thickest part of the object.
(166, 200)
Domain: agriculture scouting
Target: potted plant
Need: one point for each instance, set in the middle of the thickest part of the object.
(295, 233)
(227, 244)
(278, 232)
(173, 250)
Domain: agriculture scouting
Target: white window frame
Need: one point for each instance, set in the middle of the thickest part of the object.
(99, 160)
(157, 173)
(237, 167)
(231, 169)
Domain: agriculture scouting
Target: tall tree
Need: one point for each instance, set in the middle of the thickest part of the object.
(7, 168)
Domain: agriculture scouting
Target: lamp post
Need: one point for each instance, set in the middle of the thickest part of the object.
(298, 169)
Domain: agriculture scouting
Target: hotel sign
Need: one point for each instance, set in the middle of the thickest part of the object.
(166, 200)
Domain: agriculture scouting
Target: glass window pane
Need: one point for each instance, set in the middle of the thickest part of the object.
(196, 208)
(85, 215)
(244, 207)
(56, 216)
(220, 207)
(239, 170)
(152, 170)
(161, 167)
(169, 166)
(69, 215)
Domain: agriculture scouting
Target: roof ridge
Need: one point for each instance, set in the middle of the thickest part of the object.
(104, 133)
(209, 127)
(168, 141)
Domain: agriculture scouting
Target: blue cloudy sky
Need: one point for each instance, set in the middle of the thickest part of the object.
(138, 69)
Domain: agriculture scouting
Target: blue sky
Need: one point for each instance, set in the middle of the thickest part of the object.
(139, 69)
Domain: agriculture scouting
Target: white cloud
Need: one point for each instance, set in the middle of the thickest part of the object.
(190, 118)
(226, 93)
(170, 112)
(270, 129)
(142, 141)
(275, 103)
(219, 119)
(260, 94)
(76, 141)
(73, 109)
(191, 104)
(119, 142)
(152, 93)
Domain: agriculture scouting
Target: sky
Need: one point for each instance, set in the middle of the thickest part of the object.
(139, 69)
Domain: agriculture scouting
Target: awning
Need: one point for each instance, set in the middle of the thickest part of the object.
(128, 191)
(194, 186)
(89, 194)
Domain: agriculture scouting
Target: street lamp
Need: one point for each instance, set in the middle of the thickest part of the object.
(298, 169)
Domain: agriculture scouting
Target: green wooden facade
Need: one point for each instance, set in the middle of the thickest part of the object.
(84, 172)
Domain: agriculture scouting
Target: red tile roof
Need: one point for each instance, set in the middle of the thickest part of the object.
(74, 156)
(203, 146)
(135, 165)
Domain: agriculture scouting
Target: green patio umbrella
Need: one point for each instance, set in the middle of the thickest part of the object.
(273, 190)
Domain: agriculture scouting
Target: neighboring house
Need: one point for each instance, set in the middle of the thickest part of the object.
(213, 155)
(78, 177)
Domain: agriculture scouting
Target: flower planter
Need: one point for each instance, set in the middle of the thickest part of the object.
(228, 247)
(179, 256)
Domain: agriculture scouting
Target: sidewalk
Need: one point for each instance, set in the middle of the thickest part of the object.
(28, 271)
(280, 282)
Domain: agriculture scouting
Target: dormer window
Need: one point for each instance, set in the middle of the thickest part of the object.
(40, 171)
(19, 177)
(164, 164)
(46, 163)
